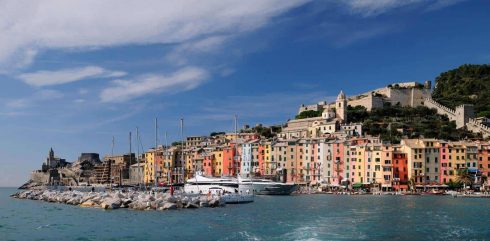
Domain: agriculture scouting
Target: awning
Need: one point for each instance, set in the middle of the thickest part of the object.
(357, 185)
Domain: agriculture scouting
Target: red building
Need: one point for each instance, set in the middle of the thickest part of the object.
(338, 162)
(229, 165)
(400, 171)
(208, 165)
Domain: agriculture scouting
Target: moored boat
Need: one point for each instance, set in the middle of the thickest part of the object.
(269, 187)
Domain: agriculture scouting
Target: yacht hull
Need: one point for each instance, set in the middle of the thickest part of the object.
(274, 189)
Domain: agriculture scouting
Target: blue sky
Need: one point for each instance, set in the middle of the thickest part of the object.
(76, 73)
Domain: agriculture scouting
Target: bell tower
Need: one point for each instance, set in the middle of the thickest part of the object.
(341, 107)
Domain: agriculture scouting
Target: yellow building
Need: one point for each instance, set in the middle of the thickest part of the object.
(149, 171)
(267, 157)
(387, 166)
(358, 164)
(217, 162)
(457, 159)
(423, 156)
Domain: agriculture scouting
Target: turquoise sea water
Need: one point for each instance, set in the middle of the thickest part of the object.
(312, 217)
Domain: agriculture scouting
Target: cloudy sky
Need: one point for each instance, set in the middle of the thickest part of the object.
(76, 73)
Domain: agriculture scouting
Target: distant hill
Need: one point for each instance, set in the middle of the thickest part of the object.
(467, 84)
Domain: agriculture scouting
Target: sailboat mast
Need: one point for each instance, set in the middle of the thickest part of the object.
(235, 147)
(155, 153)
(112, 150)
(138, 154)
(182, 146)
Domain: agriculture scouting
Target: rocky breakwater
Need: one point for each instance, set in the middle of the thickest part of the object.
(113, 200)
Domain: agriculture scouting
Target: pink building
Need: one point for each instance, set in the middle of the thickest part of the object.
(338, 162)
(444, 164)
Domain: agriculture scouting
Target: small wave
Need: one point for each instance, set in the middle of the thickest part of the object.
(243, 235)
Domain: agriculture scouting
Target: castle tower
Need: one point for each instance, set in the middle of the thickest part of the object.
(463, 115)
(51, 153)
(341, 107)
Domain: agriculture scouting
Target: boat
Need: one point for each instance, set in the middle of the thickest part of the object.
(269, 187)
(231, 198)
(201, 184)
(231, 190)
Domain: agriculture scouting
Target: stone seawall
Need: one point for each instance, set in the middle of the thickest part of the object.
(113, 200)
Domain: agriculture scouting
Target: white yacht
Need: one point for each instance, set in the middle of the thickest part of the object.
(269, 187)
(229, 188)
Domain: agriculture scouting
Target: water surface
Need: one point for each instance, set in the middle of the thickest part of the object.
(311, 217)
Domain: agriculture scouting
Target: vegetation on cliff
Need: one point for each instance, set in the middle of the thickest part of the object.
(394, 122)
(467, 84)
(309, 114)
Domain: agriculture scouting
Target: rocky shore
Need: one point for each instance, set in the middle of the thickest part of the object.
(136, 200)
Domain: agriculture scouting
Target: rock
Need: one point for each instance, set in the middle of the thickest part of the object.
(192, 205)
(171, 199)
(111, 203)
(113, 200)
(74, 201)
(88, 204)
(169, 206)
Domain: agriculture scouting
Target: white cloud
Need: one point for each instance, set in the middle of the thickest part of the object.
(47, 78)
(184, 79)
(39, 96)
(59, 24)
(369, 8)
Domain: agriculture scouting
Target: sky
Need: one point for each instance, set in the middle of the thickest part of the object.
(75, 74)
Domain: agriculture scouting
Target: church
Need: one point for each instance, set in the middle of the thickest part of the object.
(332, 121)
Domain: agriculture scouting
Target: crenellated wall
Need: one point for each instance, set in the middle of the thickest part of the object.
(476, 126)
(463, 115)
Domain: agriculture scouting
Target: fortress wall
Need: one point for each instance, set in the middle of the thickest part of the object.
(443, 110)
(370, 102)
(308, 107)
(419, 96)
(40, 177)
(475, 126)
(402, 96)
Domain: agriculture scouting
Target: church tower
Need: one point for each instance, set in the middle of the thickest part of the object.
(51, 154)
(341, 107)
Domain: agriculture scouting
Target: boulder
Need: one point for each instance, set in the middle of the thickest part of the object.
(169, 206)
(111, 203)
(192, 205)
(88, 204)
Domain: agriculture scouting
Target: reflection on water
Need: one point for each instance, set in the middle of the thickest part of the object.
(313, 217)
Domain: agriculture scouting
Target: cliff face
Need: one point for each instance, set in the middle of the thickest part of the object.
(467, 84)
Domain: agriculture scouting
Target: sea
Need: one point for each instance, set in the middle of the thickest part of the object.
(302, 217)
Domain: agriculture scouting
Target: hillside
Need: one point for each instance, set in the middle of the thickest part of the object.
(467, 84)
(395, 122)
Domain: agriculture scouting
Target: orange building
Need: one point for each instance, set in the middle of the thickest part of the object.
(229, 166)
(400, 170)
(208, 164)
(484, 159)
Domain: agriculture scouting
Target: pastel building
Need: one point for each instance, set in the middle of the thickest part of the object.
(400, 169)
(423, 160)
(445, 169)
(246, 159)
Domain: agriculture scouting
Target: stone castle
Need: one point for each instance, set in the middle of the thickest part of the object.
(405, 94)
(411, 94)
